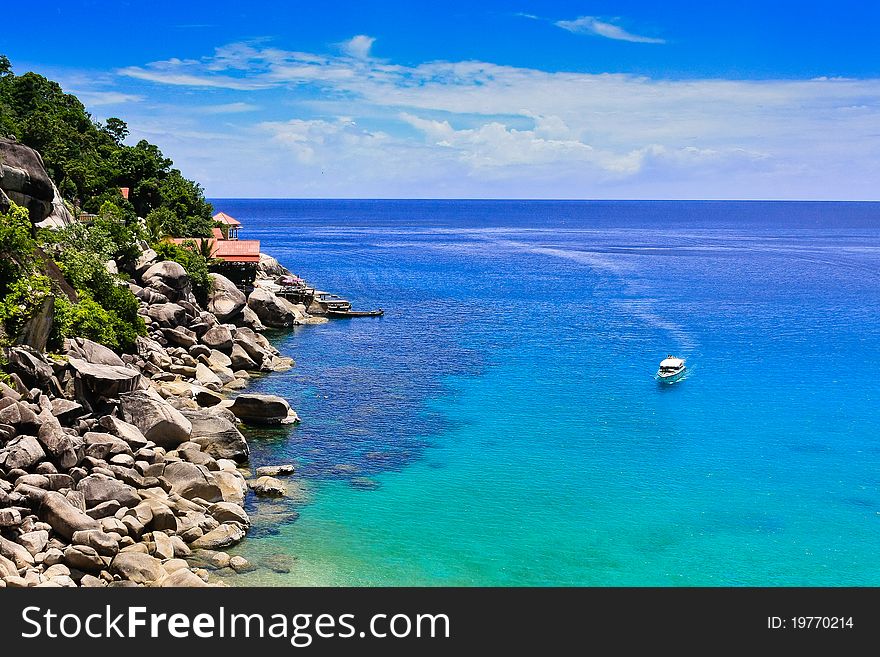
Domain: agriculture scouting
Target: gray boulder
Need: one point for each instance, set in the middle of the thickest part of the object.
(92, 352)
(270, 267)
(217, 436)
(218, 337)
(157, 420)
(225, 299)
(59, 445)
(260, 409)
(103, 543)
(99, 488)
(167, 314)
(183, 578)
(104, 380)
(128, 432)
(267, 487)
(65, 519)
(137, 567)
(30, 365)
(224, 536)
(240, 359)
(168, 278)
(191, 481)
(179, 337)
(24, 180)
(21, 452)
(83, 557)
(270, 309)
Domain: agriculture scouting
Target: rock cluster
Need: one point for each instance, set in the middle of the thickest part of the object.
(126, 471)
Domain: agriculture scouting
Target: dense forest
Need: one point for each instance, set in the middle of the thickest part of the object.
(90, 162)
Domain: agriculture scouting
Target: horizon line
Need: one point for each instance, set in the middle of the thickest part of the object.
(540, 200)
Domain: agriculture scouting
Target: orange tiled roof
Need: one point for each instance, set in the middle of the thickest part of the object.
(238, 250)
(228, 250)
(224, 218)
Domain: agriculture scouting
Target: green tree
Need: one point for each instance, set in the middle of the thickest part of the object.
(116, 128)
(17, 246)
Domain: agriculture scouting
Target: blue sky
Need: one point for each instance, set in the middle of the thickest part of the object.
(490, 99)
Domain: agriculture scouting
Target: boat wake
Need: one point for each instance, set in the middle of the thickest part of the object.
(638, 305)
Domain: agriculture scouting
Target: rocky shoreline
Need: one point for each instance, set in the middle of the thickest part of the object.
(131, 470)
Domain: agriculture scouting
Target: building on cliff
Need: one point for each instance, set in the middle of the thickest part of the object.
(235, 258)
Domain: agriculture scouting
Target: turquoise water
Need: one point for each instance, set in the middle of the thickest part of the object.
(501, 425)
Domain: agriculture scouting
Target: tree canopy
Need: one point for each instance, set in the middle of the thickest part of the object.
(89, 161)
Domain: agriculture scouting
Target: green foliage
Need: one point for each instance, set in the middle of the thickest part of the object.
(88, 161)
(107, 310)
(16, 246)
(196, 265)
(90, 319)
(186, 200)
(24, 298)
(160, 224)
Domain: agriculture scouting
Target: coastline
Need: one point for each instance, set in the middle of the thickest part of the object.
(133, 470)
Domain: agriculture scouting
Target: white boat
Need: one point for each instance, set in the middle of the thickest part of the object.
(671, 369)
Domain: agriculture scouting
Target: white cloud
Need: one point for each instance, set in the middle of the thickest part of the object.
(358, 46)
(229, 108)
(100, 98)
(476, 129)
(597, 27)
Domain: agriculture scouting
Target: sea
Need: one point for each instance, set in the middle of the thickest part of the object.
(501, 424)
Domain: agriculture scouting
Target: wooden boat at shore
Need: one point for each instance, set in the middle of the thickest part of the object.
(355, 313)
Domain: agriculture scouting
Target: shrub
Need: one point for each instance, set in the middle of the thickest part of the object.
(89, 319)
(24, 298)
(16, 246)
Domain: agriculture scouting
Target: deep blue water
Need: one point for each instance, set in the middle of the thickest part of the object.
(501, 423)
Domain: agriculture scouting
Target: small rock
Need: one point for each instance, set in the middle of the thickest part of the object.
(268, 487)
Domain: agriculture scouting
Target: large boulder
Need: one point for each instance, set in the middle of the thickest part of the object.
(250, 319)
(253, 408)
(224, 536)
(30, 365)
(183, 578)
(240, 360)
(104, 380)
(99, 488)
(167, 315)
(218, 338)
(58, 444)
(225, 300)
(24, 180)
(191, 481)
(217, 435)
(269, 308)
(21, 452)
(137, 567)
(206, 377)
(156, 419)
(64, 518)
(128, 432)
(59, 216)
(270, 267)
(92, 352)
(168, 278)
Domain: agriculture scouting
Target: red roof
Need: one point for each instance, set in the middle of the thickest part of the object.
(228, 250)
(224, 218)
(124, 192)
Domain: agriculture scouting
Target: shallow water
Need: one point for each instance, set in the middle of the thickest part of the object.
(501, 425)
